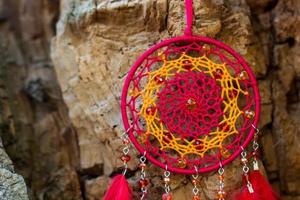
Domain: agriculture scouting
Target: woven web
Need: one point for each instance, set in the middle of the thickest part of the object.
(188, 105)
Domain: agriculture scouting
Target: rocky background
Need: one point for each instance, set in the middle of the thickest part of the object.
(61, 72)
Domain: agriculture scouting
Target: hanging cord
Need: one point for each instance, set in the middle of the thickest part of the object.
(221, 192)
(143, 181)
(166, 179)
(125, 157)
(189, 17)
(246, 170)
(255, 146)
(195, 183)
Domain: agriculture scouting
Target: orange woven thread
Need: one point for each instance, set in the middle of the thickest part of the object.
(228, 83)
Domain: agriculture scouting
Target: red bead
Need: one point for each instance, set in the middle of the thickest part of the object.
(142, 165)
(255, 154)
(218, 74)
(196, 197)
(125, 158)
(167, 137)
(143, 183)
(232, 94)
(221, 177)
(195, 181)
(198, 145)
(187, 65)
(150, 110)
(159, 79)
(166, 196)
(249, 114)
(191, 104)
(126, 141)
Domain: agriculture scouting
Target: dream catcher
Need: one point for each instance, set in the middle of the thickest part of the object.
(191, 105)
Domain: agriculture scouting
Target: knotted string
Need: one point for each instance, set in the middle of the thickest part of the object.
(189, 17)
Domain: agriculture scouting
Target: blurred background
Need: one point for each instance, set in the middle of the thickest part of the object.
(62, 65)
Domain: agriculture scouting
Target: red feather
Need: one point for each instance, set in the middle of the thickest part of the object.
(244, 194)
(118, 189)
(262, 186)
(262, 189)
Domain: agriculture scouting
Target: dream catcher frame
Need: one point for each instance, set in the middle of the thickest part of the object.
(191, 95)
(189, 39)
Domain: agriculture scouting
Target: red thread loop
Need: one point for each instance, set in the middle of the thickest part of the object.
(189, 17)
(183, 98)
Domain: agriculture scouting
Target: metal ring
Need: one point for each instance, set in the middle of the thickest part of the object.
(195, 190)
(255, 145)
(167, 189)
(126, 150)
(256, 129)
(167, 173)
(143, 159)
(221, 171)
(244, 154)
(195, 176)
(245, 169)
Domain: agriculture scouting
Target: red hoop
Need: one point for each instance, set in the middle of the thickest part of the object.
(124, 105)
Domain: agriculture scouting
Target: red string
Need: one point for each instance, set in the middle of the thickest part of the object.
(183, 117)
(176, 88)
(189, 17)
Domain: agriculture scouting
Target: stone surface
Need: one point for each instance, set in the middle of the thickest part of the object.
(286, 94)
(260, 6)
(12, 185)
(34, 124)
